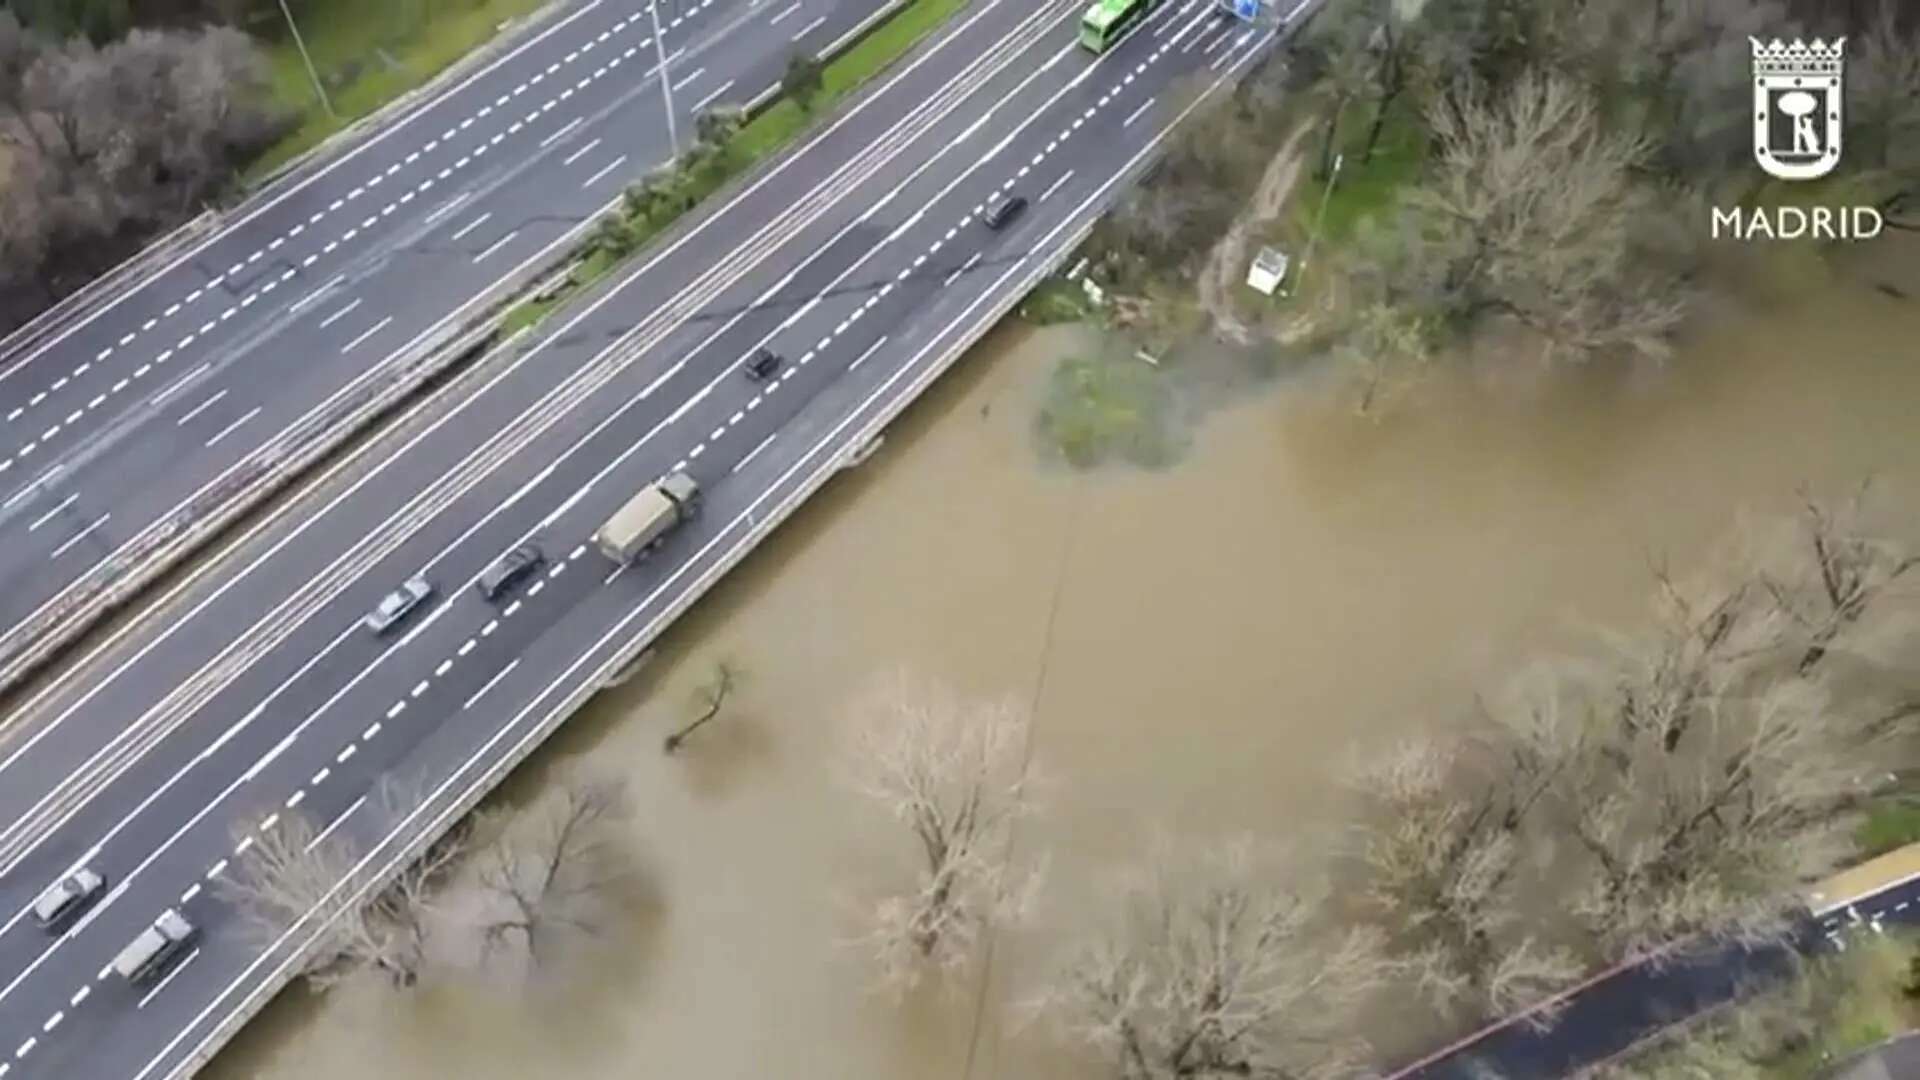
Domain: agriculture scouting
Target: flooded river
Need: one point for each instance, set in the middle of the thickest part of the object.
(1203, 647)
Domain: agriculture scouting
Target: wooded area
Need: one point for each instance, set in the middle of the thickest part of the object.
(105, 145)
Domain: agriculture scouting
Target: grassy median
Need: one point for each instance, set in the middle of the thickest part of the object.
(369, 52)
(727, 147)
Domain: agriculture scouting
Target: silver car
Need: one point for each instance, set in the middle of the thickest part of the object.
(397, 605)
(66, 898)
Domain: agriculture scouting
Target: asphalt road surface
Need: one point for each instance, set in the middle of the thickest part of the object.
(1618, 1010)
(190, 378)
(252, 693)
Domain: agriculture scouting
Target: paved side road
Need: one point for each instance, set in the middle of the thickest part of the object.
(174, 400)
(1613, 1012)
(862, 259)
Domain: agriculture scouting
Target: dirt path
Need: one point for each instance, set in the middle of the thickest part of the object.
(1226, 265)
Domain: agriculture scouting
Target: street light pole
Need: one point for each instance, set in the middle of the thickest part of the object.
(1318, 219)
(666, 84)
(300, 43)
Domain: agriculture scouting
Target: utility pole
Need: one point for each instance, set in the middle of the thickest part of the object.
(319, 91)
(666, 84)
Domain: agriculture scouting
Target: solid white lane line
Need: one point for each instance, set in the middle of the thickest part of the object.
(235, 426)
(580, 153)
(561, 133)
(751, 454)
(447, 207)
(187, 417)
(472, 225)
(171, 975)
(338, 315)
(53, 513)
(316, 294)
(610, 166)
(482, 692)
(369, 332)
(972, 261)
(333, 825)
(871, 349)
(497, 245)
(79, 536)
(700, 106)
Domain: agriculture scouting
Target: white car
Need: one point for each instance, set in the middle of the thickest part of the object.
(397, 604)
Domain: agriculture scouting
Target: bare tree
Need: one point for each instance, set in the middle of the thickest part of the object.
(1711, 832)
(1207, 970)
(709, 699)
(290, 872)
(108, 142)
(1528, 212)
(1832, 575)
(1386, 349)
(957, 774)
(552, 874)
(1443, 856)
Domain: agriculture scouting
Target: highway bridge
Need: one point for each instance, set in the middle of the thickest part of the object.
(250, 691)
(137, 426)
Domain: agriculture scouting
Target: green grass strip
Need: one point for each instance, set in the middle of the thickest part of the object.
(369, 52)
(772, 129)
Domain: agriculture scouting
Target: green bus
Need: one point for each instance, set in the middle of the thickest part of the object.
(1107, 21)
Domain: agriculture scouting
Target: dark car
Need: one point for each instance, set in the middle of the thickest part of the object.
(762, 364)
(508, 570)
(1001, 209)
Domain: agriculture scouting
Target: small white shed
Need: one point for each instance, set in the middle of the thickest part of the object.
(1268, 271)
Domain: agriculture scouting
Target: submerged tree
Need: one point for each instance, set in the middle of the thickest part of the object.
(956, 773)
(550, 874)
(1443, 853)
(292, 874)
(1207, 970)
(1529, 211)
(709, 699)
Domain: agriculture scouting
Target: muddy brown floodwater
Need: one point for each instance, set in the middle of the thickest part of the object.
(1204, 648)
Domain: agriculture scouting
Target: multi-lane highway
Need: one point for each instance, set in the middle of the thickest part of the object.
(251, 692)
(183, 392)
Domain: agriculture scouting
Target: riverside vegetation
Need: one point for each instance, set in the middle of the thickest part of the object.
(1513, 183)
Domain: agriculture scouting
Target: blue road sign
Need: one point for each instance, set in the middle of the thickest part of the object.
(1248, 10)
